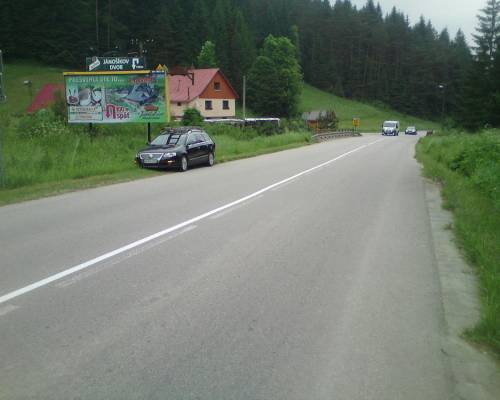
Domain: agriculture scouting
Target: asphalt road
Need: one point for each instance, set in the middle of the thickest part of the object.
(321, 287)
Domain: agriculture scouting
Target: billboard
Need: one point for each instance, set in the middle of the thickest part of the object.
(115, 63)
(117, 97)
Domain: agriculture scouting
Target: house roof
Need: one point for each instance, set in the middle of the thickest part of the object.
(183, 90)
(45, 96)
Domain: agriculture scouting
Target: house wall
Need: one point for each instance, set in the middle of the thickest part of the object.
(177, 111)
(217, 111)
(225, 91)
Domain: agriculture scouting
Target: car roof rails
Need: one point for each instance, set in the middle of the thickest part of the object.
(181, 129)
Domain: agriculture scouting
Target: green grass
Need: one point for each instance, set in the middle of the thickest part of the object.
(42, 155)
(229, 148)
(18, 97)
(371, 117)
(41, 152)
(468, 166)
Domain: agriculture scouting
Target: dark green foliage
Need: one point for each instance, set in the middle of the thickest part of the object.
(364, 53)
(480, 100)
(207, 57)
(59, 107)
(275, 80)
(191, 117)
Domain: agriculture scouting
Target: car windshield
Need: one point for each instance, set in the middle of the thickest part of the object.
(389, 124)
(168, 139)
(411, 128)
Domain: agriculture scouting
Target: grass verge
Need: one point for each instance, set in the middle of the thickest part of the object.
(468, 166)
(44, 156)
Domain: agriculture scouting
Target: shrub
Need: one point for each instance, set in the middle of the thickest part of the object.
(192, 117)
(42, 124)
(59, 107)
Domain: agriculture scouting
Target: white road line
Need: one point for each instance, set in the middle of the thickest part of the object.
(87, 264)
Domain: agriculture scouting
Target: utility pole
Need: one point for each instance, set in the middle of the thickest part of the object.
(109, 24)
(97, 25)
(244, 96)
(3, 98)
(442, 87)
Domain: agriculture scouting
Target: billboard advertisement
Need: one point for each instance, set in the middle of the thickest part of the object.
(117, 97)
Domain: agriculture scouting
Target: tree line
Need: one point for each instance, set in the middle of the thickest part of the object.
(364, 53)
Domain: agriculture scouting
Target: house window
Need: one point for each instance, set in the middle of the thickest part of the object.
(225, 104)
(217, 86)
(179, 104)
(208, 104)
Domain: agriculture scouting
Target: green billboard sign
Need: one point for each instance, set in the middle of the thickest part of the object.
(117, 97)
(115, 63)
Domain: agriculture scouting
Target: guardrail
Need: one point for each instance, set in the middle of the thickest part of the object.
(329, 135)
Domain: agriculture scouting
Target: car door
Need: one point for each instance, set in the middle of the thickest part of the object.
(204, 147)
(193, 148)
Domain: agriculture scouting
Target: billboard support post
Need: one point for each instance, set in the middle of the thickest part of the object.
(149, 132)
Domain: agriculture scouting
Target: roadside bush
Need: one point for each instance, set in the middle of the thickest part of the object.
(293, 125)
(473, 156)
(59, 107)
(42, 124)
(468, 165)
(192, 117)
(235, 132)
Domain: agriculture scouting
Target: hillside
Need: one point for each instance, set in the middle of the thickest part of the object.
(371, 116)
(18, 96)
(312, 99)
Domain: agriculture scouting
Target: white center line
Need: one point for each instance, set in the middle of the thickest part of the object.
(94, 261)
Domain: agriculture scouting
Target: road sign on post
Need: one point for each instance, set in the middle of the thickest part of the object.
(356, 122)
(115, 64)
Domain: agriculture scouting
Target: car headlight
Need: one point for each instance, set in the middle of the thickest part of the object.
(169, 155)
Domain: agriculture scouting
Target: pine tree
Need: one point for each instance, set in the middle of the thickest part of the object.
(207, 57)
(242, 51)
(275, 80)
(479, 106)
(488, 31)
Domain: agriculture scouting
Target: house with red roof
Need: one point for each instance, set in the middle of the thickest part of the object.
(208, 91)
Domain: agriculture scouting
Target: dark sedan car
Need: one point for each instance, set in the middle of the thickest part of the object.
(178, 148)
(411, 130)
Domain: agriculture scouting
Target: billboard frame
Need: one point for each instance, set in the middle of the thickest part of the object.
(121, 73)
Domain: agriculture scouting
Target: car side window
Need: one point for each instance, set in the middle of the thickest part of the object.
(191, 139)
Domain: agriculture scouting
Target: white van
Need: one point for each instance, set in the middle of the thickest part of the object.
(390, 128)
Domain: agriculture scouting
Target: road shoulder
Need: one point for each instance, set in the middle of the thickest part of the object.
(475, 372)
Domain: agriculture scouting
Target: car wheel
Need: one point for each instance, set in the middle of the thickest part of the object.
(184, 164)
(211, 159)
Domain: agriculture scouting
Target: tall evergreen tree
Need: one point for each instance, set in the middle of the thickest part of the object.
(275, 80)
(488, 31)
(207, 57)
(479, 104)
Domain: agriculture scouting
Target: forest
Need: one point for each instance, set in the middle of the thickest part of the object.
(365, 53)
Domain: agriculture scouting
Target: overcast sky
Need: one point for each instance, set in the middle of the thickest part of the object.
(451, 14)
